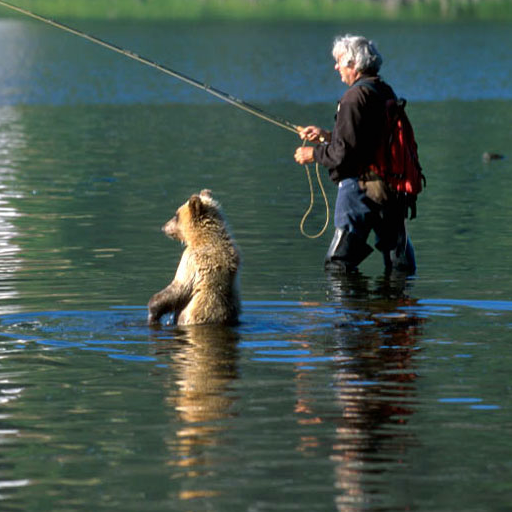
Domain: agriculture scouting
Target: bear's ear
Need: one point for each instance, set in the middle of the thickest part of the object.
(195, 206)
(206, 193)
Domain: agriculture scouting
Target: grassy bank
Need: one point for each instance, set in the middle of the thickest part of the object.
(315, 10)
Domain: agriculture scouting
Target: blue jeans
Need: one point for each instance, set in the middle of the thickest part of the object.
(355, 216)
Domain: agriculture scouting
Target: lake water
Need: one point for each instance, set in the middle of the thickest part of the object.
(366, 394)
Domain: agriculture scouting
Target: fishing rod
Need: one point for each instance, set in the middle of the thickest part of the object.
(247, 107)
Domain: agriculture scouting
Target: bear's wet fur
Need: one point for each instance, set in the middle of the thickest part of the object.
(205, 287)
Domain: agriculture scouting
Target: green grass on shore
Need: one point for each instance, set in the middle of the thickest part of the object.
(314, 10)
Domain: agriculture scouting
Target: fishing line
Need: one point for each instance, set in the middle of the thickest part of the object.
(247, 107)
(176, 74)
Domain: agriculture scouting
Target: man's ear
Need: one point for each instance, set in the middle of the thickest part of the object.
(195, 206)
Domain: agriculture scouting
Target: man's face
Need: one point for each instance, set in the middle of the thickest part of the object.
(347, 72)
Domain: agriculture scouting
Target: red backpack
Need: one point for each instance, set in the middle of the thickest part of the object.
(396, 160)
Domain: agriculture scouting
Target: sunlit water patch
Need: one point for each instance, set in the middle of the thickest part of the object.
(486, 305)
(59, 69)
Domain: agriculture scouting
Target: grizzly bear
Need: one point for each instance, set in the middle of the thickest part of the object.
(205, 287)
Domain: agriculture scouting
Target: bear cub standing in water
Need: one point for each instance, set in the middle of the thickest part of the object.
(205, 287)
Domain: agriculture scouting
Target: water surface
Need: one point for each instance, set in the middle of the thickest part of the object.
(370, 393)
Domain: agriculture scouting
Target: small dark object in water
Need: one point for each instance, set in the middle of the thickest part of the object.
(487, 157)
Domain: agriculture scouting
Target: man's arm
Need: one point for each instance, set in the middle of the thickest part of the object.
(341, 151)
(304, 154)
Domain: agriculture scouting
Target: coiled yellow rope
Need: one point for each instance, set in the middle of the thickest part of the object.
(312, 202)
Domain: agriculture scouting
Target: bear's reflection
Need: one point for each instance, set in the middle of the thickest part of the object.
(204, 358)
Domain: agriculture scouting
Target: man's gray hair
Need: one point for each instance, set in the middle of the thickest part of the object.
(359, 52)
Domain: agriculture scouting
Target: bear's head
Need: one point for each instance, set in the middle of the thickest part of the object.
(195, 220)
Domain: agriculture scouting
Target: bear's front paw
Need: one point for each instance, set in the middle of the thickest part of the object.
(153, 319)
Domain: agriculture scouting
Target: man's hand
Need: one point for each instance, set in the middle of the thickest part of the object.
(314, 134)
(304, 155)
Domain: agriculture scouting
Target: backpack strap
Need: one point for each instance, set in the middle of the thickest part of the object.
(369, 84)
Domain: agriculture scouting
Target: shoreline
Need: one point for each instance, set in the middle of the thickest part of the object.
(267, 10)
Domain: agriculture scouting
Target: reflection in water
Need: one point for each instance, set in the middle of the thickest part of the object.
(11, 139)
(205, 359)
(83, 191)
(374, 386)
(9, 437)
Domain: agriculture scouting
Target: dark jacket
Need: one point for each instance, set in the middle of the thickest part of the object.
(358, 129)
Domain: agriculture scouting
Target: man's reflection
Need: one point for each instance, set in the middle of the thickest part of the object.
(374, 340)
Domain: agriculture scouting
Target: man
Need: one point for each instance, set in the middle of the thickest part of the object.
(364, 201)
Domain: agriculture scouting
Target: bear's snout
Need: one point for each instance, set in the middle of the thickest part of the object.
(171, 228)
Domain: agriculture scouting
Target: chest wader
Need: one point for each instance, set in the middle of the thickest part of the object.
(354, 217)
(351, 220)
(392, 239)
(401, 257)
(346, 251)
